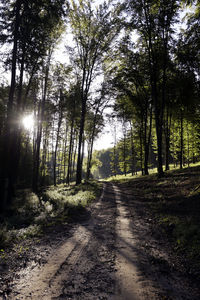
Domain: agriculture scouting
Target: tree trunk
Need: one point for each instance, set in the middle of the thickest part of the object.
(147, 139)
(124, 154)
(15, 146)
(80, 143)
(132, 153)
(90, 151)
(57, 137)
(188, 146)
(141, 153)
(181, 141)
(167, 139)
(159, 127)
(167, 143)
(74, 158)
(70, 153)
(44, 156)
(159, 147)
(65, 153)
(6, 184)
(41, 111)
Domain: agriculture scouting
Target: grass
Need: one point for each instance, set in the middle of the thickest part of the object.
(174, 202)
(152, 171)
(30, 214)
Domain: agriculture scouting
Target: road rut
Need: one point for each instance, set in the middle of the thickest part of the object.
(106, 257)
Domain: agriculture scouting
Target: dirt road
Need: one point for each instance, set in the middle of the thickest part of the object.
(111, 255)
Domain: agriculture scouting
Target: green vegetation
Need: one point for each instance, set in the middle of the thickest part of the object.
(173, 202)
(130, 56)
(52, 112)
(31, 214)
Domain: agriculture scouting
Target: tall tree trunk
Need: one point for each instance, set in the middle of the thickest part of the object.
(65, 152)
(83, 151)
(15, 144)
(115, 152)
(115, 161)
(158, 121)
(63, 155)
(89, 158)
(80, 143)
(90, 147)
(188, 145)
(159, 148)
(167, 137)
(57, 137)
(6, 184)
(158, 105)
(181, 141)
(124, 155)
(74, 156)
(39, 132)
(44, 155)
(147, 139)
(70, 152)
(159, 126)
(167, 143)
(141, 152)
(132, 153)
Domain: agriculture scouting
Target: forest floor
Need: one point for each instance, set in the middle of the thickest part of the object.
(139, 240)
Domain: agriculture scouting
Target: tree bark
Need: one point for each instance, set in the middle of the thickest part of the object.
(60, 117)
(80, 143)
(70, 152)
(6, 183)
(36, 162)
(181, 141)
(65, 152)
(147, 139)
(132, 154)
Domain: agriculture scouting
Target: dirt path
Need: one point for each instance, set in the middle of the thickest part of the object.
(109, 256)
(128, 280)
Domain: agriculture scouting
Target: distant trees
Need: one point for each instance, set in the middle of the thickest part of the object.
(151, 73)
(154, 23)
(93, 30)
(95, 123)
(24, 25)
(58, 97)
(155, 82)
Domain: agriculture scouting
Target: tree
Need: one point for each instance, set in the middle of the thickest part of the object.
(73, 116)
(154, 22)
(132, 91)
(24, 25)
(96, 122)
(93, 30)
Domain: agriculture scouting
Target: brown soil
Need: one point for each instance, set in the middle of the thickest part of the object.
(116, 252)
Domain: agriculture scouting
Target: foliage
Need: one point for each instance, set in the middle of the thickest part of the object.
(31, 214)
(127, 52)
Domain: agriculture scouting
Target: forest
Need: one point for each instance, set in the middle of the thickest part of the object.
(138, 58)
(117, 223)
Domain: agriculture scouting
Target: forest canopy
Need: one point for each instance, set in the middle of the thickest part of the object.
(143, 56)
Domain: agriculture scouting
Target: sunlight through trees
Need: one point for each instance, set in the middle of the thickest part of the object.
(51, 113)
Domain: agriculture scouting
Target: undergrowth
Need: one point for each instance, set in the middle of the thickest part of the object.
(31, 213)
(174, 202)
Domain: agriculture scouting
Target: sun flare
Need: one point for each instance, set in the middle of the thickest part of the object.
(28, 122)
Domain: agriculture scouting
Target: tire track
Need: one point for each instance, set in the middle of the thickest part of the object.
(129, 283)
(46, 282)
